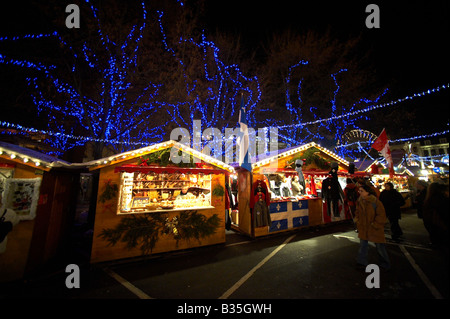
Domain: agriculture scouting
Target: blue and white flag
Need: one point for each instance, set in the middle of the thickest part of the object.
(242, 140)
(287, 215)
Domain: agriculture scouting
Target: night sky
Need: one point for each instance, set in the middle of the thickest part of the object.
(410, 49)
(411, 43)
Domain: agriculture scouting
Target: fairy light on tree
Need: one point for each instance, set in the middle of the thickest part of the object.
(128, 86)
(338, 124)
(131, 83)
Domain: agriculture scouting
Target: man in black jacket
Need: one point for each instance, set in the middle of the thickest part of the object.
(392, 201)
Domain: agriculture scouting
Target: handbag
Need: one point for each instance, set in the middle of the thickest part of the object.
(5, 227)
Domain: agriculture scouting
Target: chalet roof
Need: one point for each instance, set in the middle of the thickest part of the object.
(30, 157)
(118, 158)
(264, 160)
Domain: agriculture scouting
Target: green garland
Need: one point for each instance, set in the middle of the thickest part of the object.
(109, 192)
(194, 225)
(311, 157)
(162, 158)
(144, 229)
(135, 229)
(218, 191)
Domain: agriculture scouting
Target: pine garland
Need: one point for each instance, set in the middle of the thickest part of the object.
(109, 192)
(311, 157)
(144, 229)
(218, 191)
(162, 158)
(135, 229)
(191, 224)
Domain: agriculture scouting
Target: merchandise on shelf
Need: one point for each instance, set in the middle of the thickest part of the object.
(150, 191)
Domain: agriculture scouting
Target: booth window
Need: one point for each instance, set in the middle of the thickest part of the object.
(143, 192)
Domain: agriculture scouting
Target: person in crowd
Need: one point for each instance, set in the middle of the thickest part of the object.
(351, 195)
(436, 214)
(296, 187)
(393, 201)
(370, 218)
(419, 199)
(373, 190)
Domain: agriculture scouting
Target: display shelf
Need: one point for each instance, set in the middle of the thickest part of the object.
(139, 190)
(145, 211)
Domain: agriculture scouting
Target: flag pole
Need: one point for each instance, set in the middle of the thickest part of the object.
(367, 154)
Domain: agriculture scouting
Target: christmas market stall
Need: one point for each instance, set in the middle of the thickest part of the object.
(299, 187)
(403, 181)
(157, 199)
(38, 200)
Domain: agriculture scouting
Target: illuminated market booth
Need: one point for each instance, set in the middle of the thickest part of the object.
(269, 198)
(403, 181)
(157, 199)
(39, 194)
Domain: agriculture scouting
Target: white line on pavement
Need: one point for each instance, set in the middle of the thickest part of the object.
(421, 274)
(241, 281)
(138, 292)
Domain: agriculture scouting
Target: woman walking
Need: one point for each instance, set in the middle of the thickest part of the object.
(370, 218)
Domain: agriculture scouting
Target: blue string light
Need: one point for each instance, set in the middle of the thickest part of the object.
(371, 108)
(414, 138)
(223, 84)
(69, 136)
(110, 117)
(301, 132)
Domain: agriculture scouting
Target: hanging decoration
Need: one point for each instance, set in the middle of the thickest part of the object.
(310, 157)
(170, 227)
(109, 192)
(22, 195)
(218, 191)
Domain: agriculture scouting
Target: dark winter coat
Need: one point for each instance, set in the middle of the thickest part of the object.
(392, 201)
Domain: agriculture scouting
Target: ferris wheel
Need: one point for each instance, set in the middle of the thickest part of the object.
(355, 143)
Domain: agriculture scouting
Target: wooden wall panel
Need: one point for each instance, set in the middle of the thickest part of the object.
(106, 217)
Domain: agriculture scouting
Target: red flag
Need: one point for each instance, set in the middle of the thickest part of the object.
(381, 144)
(381, 141)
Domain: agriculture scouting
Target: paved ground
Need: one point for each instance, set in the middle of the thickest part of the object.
(308, 264)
